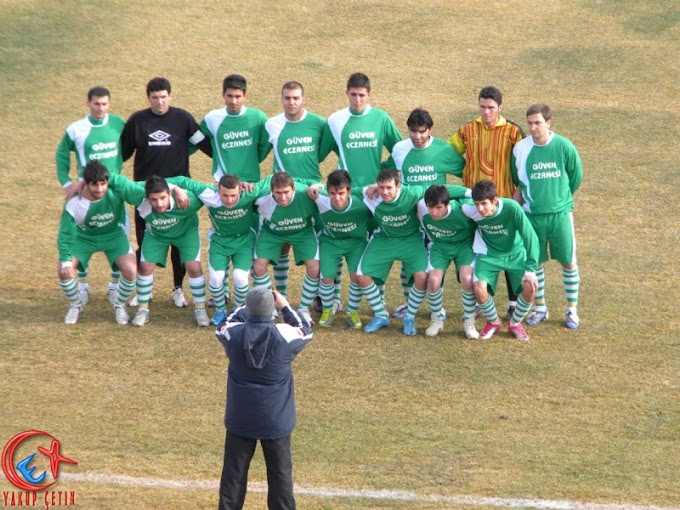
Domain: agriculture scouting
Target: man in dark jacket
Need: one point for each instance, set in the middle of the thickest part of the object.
(260, 395)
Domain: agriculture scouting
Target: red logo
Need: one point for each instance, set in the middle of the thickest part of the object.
(22, 474)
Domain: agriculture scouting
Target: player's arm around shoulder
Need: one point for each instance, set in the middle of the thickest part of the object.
(130, 191)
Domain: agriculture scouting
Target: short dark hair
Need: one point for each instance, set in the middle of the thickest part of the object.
(419, 117)
(229, 181)
(359, 81)
(339, 179)
(234, 81)
(155, 184)
(94, 171)
(281, 180)
(157, 84)
(389, 174)
(293, 85)
(484, 190)
(491, 92)
(98, 91)
(437, 194)
(541, 108)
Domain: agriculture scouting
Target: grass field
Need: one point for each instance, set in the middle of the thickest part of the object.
(590, 416)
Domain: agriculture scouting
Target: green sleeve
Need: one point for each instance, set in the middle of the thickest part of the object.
(263, 145)
(63, 158)
(455, 163)
(66, 236)
(328, 136)
(458, 192)
(326, 143)
(263, 186)
(130, 191)
(513, 169)
(530, 239)
(392, 134)
(388, 163)
(574, 169)
(189, 184)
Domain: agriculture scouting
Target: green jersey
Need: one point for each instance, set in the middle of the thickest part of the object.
(82, 218)
(170, 225)
(294, 218)
(399, 218)
(352, 222)
(359, 139)
(228, 222)
(547, 175)
(299, 146)
(506, 232)
(90, 140)
(454, 228)
(425, 166)
(239, 142)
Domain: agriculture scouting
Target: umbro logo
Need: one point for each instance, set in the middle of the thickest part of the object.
(159, 138)
(159, 135)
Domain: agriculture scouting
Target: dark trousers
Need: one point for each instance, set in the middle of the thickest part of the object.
(238, 452)
(511, 293)
(178, 269)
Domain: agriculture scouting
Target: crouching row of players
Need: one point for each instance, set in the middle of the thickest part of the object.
(324, 225)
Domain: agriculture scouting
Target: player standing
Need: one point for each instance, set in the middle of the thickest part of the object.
(160, 138)
(547, 170)
(300, 144)
(487, 144)
(95, 137)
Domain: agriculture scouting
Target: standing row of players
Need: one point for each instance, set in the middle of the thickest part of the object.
(545, 167)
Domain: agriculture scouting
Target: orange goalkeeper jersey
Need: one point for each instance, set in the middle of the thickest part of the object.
(488, 152)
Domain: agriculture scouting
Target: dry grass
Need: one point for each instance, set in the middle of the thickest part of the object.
(592, 415)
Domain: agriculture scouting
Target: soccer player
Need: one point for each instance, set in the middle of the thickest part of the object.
(299, 144)
(487, 144)
(237, 134)
(504, 241)
(398, 237)
(345, 221)
(286, 217)
(95, 137)
(161, 138)
(547, 170)
(360, 132)
(424, 160)
(231, 239)
(450, 233)
(167, 225)
(90, 222)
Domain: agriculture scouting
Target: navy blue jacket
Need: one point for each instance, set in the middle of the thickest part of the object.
(260, 388)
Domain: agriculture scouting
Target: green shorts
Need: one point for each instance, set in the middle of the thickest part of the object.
(113, 245)
(155, 250)
(305, 245)
(238, 250)
(440, 256)
(487, 268)
(380, 254)
(555, 233)
(331, 251)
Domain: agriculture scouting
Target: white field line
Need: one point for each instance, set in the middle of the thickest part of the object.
(385, 495)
